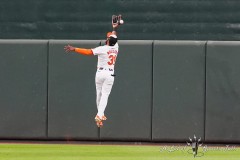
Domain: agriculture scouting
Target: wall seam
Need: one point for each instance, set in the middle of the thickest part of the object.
(152, 94)
(205, 90)
(47, 117)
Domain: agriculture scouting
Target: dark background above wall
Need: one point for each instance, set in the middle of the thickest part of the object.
(144, 19)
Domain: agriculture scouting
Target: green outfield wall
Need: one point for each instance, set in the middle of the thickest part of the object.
(144, 19)
(164, 91)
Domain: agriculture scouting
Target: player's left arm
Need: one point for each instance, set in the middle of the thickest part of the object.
(116, 22)
(83, 51)
(115, 29)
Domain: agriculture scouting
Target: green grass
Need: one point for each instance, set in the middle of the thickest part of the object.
(108, 152)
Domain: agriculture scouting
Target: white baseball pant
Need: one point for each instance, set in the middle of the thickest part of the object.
(104, 82)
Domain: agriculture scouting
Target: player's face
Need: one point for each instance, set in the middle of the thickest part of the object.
(107, 41)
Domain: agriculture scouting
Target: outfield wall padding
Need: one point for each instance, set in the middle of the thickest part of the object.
(223, 92)
(164, 91)
(129, 107)
(23, 89)
(178, 90)
(71, 92)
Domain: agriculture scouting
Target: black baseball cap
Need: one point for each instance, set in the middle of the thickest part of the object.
(112, 40)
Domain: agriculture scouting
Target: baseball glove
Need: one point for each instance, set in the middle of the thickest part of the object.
(117, 19)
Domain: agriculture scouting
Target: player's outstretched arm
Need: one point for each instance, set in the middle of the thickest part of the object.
(84, 51)
(114, 30)
(114, 25)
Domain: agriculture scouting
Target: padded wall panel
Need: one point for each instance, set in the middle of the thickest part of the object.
(23, 88)
(130, 102)
(223, 92)
(72, 104)
(178, 90)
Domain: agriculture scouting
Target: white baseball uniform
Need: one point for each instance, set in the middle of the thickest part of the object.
(104, 79)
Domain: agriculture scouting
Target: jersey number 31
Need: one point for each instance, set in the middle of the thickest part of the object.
(112, 59)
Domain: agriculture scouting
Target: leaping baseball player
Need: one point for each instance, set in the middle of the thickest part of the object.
(107, 56)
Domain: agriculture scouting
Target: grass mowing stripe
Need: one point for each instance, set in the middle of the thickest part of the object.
(105, 152)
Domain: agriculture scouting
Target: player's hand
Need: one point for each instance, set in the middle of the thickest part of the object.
(69, 48)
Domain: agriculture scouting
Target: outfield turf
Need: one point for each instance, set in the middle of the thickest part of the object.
(108, 152)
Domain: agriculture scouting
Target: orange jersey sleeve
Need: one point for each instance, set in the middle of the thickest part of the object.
(84, 51)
